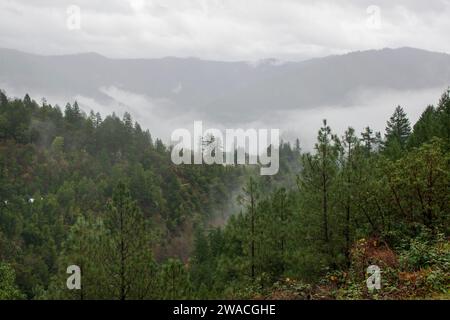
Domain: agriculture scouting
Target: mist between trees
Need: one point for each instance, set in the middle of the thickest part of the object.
(108, 199)
(240, 147)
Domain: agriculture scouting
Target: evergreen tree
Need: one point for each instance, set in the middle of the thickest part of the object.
(130, 265)
(398, 129)
(351, 175)
(443, 113)
(174, 280)
(3, 99)
(8, 288)
(280, 213)
(317, 180)
(369, 140)
(425, 128)
(250, 198)
(82, 248)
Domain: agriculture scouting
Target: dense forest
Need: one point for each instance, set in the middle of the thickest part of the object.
(103, 194)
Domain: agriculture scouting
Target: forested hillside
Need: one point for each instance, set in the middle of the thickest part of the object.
(103, 194)
(359, 200)
(59, 170)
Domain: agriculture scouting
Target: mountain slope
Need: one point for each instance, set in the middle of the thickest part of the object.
(335, 79)
(189, 81)
(228, 91)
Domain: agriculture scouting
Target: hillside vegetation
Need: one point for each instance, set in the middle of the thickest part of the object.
(76, 189)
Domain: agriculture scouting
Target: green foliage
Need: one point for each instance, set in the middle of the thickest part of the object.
(425, 128)
(8, 288)
(174, 281)
(425, 251)
(107, 198)
(127, 251)
(70, 163)
(58, 145)
(348, 189)
(398, 129)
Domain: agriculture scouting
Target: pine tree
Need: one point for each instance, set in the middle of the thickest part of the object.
(3, 99)
(425, 128)
(297, 146)
(318, 179)
(83, 248)
(349, 162)
(250, 198)
(128, 122)
(98, 120)
(326, 153)
(398, 128)
(201, 258)
(128, 254)
(8, 288)
(443, 113)
(27, 102)
(369, 140)
(175, 283)
(282, 213)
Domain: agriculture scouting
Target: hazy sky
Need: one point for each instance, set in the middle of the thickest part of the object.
(223, 29)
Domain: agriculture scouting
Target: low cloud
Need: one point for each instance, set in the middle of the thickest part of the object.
(154, 114)
(368, 108)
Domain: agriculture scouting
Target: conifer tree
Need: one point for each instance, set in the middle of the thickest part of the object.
(318, 179)
(425, 128)
(250, 199)
(130, 265)
(398, 128)
(8, 288)
(349, 162)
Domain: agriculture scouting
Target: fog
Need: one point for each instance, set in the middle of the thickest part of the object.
(367, 108)
(370, 108)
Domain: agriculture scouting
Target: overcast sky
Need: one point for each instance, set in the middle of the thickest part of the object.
(232, 30)
(223, 29)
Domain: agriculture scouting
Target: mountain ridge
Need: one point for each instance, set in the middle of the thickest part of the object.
(226, 90)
